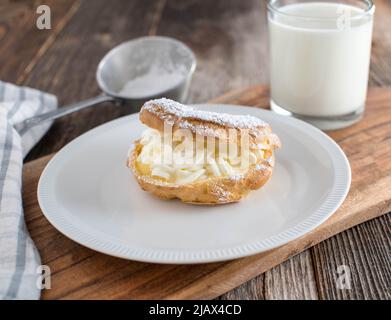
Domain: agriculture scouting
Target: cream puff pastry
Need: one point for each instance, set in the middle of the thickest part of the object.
(201, 157)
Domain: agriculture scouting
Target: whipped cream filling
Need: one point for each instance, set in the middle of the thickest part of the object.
(183, 161)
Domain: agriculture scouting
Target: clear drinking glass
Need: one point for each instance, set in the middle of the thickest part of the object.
(320, 54)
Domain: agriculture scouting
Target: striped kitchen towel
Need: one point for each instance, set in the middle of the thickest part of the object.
(19, 259)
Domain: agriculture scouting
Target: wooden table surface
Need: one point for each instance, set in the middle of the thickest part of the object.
(229, 38)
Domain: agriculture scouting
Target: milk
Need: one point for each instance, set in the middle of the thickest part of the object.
(319, 67)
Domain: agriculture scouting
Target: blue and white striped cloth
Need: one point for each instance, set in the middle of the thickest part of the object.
(19, 259)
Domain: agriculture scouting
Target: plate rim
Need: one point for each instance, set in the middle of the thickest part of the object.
(92, 238)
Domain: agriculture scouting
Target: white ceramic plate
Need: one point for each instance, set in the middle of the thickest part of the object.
(87, 192)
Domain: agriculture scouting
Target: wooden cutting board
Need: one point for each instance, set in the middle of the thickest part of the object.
(80, 273)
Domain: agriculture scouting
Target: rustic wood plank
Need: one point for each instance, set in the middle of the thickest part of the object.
(22, 43)
(366, 251)
(250, 290)
(68, 67)
(292, 280)
(229, 39)
(380, 71)
(81, 273)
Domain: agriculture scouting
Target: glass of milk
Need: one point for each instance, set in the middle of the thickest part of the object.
(320, 54)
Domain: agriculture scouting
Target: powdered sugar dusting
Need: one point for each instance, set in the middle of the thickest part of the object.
(172, 109)
(220, 192)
